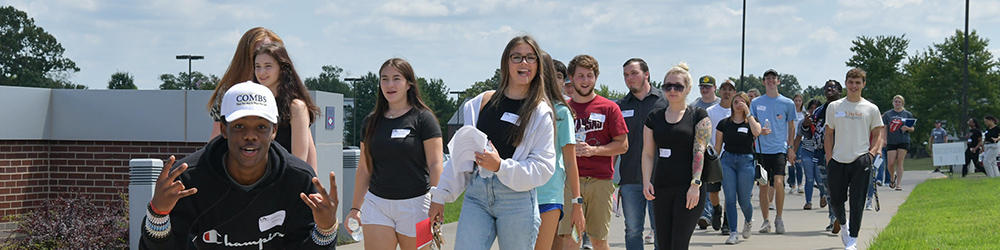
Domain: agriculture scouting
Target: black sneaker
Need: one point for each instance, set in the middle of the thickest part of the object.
(717, 218)
(725, 225)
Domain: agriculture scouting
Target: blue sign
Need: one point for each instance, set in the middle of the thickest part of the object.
(330, 115)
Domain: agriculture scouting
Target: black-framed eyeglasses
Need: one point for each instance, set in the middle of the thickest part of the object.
(667, 87)
(518, 59)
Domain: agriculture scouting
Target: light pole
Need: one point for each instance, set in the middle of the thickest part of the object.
(354, 110)
(189, 58)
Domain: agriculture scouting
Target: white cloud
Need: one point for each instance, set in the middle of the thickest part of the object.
(824, 34)
(417, 8)
(892, 4)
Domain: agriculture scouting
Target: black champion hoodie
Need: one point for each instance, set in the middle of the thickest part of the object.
(223, 216)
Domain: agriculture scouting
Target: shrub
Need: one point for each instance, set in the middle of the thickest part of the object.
(71, 223)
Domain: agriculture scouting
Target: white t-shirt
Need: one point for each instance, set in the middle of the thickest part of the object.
(716, 113)
(852, 123)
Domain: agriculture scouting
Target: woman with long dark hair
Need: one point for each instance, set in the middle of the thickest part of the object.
(240, 69)
(678, 135)
(500, 200)
(402, 152)
(296, 110)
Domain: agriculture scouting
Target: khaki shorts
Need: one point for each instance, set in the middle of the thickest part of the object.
(597, 205)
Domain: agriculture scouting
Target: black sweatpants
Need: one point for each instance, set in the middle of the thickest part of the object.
(853, 179)
(970, 157)
(674, 223)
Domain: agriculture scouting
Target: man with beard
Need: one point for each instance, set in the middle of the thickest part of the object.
(716, 113)
(636, 105)
(601, 133)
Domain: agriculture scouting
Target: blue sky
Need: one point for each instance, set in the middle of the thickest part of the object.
(461, 41)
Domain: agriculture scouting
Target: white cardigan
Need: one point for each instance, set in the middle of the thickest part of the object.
(532, 164)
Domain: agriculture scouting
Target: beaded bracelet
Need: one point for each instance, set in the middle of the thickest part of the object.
(157, 229)
(322, 239)
(326, 231)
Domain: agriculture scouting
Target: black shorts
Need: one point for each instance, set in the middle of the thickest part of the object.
(774, 164)
(903, 146)
(714, 187)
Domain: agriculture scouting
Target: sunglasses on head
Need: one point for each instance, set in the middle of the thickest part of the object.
(673, 86)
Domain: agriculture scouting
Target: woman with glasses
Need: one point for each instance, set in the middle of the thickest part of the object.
(500, 200)
(678, 136)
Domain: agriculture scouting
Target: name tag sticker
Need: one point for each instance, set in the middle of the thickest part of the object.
(840, 114)
(400, 133)
(742, 130)
(597, 117)
(628, 113)
(665, 153)
(272, 220)
(510, 118)
(762, 108)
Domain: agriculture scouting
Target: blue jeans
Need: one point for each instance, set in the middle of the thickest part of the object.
(795, 173)
(634, 207)
(881, 174)
(737, 184)
(491, 211)
(810, 166)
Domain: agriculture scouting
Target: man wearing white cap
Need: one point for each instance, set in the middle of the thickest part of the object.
(241, 190)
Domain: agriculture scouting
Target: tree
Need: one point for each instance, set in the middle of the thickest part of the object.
(121, 80)
(330, 81)
(363, 105)
(479, 87)
(197, 79)
(435, 95)
(29, 56)
(936, 76)
(881, 58)
(603, 90)
(788, 86)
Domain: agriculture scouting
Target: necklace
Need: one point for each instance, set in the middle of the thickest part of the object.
(402, 111)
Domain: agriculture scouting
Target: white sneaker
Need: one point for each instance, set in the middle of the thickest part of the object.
(791, 190)
(868, 205)
(845, 233)
(765, 228)
(649, 238)
(851, 244)
(747, 230)
(801, 190)
(733, 239)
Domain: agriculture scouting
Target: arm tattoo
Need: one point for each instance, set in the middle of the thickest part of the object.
(702, 132)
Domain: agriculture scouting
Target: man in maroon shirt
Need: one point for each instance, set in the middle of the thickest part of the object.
(601, 134)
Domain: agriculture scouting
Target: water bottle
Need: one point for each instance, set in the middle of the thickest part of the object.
(355, 227)
(767, 123)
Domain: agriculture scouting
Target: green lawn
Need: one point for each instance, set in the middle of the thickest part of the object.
(451, 210)
(956, 213)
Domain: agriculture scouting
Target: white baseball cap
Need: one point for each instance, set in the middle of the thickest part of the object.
(249, 98)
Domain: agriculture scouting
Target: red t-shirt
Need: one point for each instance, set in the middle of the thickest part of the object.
(601, 120)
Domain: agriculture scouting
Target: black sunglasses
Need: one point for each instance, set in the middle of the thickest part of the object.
(673, 86)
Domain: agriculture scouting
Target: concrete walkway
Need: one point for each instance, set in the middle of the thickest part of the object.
(805, 229)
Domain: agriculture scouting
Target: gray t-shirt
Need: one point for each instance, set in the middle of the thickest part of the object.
(704, 105)
(894, 122)
(939, 135)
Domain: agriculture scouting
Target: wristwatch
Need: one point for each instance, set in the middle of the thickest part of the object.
(577, 200)
(696, 182)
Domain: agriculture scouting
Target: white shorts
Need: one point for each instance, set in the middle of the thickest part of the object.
(402, 215)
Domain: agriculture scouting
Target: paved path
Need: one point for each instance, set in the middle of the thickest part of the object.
(805, 229)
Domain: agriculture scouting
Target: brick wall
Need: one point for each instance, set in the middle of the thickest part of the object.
(35, 170)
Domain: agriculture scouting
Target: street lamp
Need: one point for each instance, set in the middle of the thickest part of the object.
(354, 111)
(189, 58)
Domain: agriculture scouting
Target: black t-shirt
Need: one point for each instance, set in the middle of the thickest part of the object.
(674, 146)
(992, 133)
(974, 136)
(736, 137)
(284, 136)
(495, 122)
(398, 157)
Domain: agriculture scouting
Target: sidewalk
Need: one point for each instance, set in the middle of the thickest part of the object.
(805, 229)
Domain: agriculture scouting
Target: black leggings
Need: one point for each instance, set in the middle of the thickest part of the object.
(852, 177)
(675, 223)
(974, 158)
